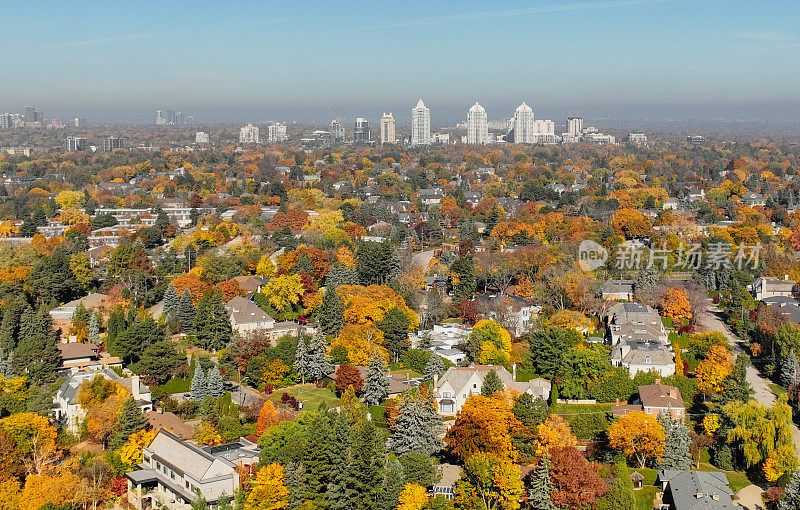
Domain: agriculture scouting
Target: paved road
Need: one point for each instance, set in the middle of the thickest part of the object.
(711, 322)
(422, 259)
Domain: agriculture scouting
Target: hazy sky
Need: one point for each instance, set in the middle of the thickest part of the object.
(285, 60)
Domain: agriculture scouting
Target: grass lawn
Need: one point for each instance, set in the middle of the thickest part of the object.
(403, 371)
(309, 393)
(777, 389)
(644, 497)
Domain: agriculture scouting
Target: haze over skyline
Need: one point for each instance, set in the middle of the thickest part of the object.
(220, 62)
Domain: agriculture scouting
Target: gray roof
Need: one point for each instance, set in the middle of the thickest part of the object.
(244, 311)
(457, 377)
(697, 490)
(69, 390)
(185, 456)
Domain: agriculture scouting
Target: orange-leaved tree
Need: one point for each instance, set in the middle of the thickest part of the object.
(638, 435)
(484, 425)
(675, 304)
(270, 492)
(553, 433)
(267, 417)
(714, 369)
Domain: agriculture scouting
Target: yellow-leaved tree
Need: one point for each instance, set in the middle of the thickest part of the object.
(639, 436)
(269, 492)
(714, 369)
(489, 342)
(131, 452)
(486, 425)
(284, 291)
(554, 432)
(413, 497)
(207, 435)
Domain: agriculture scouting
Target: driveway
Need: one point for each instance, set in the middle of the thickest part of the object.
(750, 498)
(710, 321)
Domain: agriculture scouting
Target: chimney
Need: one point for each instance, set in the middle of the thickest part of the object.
(673, 392)
(135, 387)
(658, 381)
(786, 277)
(514, 372)
(435, 379)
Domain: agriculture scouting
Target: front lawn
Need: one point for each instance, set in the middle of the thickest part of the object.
(644, 497)
(309, 394)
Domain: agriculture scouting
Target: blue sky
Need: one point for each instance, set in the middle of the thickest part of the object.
(226, 60)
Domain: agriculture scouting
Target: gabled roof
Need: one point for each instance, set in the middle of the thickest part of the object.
(661, 395)
(185, 456)
(244, 311)
(458, 377)
(698, 490)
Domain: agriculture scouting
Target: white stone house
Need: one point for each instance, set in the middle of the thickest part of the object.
(248, 318)
(459, 383)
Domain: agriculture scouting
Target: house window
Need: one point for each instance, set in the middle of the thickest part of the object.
(647, 360)
(146, 459)
(474, 386)
(187, 484)
(446, 394)
(447, 408)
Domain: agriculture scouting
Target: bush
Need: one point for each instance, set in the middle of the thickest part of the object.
(415, 359)
(587, 426)
(621, 496)
(268, 389)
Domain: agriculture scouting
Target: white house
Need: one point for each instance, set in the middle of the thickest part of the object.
(248, 318)
(68, 411)
(459, 383)
(173, 473)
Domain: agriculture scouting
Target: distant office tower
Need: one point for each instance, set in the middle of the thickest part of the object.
(637, 137)
(201, 137)
(111, 143)
(387, 128)
(172, 117)
(574, 125)
(420, 124)
(248, 134)
(277, 132)
(6, 121)
(75, 143)
(80, 122)
(361, 131)
(477, 125)
(179, 118)
(160, 120)
(336, 130)
(523, 124)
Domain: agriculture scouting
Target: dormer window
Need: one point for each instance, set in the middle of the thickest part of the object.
(647, 360)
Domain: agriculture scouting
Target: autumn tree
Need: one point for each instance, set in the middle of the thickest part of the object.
(483, 425)
(270, 492)
(576, 480)
(346, 376)
(489, 481)
(712, 371)
(413, 497)
(675, 304)
(489, 342)
(630, 223)
(639, 436)
(267, 417)
(553, 432)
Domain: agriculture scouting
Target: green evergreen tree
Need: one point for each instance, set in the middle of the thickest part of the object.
(340, 274)
(303, 265)
(376, 262)
(676, 444)
(331, 312)
(419, 468)
(130, 344)
(10, 326)
(789, 371)
(215, 386)
(81, 315)
(35, 323)
(434, 366)
(319, 366)
(128, 421)
(418, 425)
(160, 361)
(530, 410)
(116, 323)
(395, 332)
(186, 313)
(94, 329)
(6, 363)
(394, 481)
(791, 499)
(171, 302)
(541, 486)
(37, 357)
(212, 323)
(297, 483)
(301, 358)
(376, 388)
(491, 384)
(199, 386)
(365, 473)
(466, 285)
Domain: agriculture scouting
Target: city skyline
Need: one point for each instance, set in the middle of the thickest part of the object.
(618, 58)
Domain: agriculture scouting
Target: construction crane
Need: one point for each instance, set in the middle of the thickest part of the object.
(337, 117)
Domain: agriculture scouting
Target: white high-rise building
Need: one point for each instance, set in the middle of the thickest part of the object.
(248, 134)
(523, 124)
(277, 132)
(387, 128)
(477, 125)
(574, 126)
(420, 124)
(336, 130)
(76, 143)
(160, 120)
(201, 137)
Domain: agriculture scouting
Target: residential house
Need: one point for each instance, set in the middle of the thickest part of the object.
(62, 315)
(752, 198)
(644, 356)
(444, 340)
(617, 290)
(68, 410)
(694, 490)
(431, 196)
(247, 318)
(765, 287)
(640, 342)
(250, 284)
(459, 383)
(654, 398)
(170, 422)
(77, 357)
(516, 314)
(174, 473)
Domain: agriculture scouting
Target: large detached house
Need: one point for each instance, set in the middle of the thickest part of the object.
(69, 411)
(247, 317)
(654, 398)
(766, 287)
(694, 490)
(173, 472)
(459, 383)
(640, 342)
